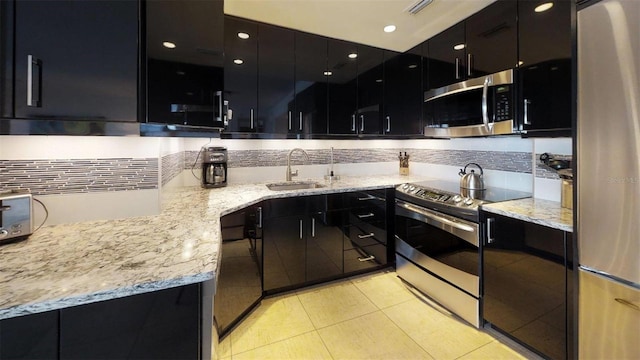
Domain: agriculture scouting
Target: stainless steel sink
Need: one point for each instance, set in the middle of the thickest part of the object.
(294, 185)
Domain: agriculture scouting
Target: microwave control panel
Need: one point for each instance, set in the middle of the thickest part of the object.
(503, 109)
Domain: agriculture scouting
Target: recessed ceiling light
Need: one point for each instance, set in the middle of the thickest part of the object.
(243, 35)
(458, 47)
(238, 61)
(389, 28)
(353, 56)
(520, 63)
(169, 44)
(328, 73)
(543, 7)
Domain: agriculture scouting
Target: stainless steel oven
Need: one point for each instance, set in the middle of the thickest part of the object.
(437, 236)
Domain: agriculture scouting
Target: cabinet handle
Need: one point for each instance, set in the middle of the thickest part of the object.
(628, 303)
(300, 120)
(5, 208)
(251, 119)
(469, 65)
(289, 120)
(362, 123)
(31, 62)
(360, 236)
(457, 68)
(490, 237)
(366, 198)
(526, 111)
(313, 227)
(220, 116)
(368, 258)
(363, 216)
(259, 209)
(353, 123)
(388, 124)
(300, 229)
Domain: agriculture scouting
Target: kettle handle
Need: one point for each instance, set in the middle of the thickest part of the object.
(465, 168)
(462, 173)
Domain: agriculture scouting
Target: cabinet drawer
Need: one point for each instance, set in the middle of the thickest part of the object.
(359, 237)
(368, 218)
(366, 199)
(364, 258)
(285, 207)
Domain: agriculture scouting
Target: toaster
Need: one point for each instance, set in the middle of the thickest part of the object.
(16, 213)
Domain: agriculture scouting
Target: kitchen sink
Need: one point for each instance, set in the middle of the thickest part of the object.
(294, 185)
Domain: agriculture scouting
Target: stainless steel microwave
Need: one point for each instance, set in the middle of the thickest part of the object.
(480, 106)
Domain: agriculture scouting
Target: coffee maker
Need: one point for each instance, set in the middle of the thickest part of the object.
(214, 166)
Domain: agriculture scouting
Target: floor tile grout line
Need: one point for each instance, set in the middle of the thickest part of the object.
(279, 341)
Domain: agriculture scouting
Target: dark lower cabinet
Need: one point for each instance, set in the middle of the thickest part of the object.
(528, 284)
(163, 324)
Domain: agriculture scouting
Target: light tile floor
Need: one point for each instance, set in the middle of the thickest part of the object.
(374, 316)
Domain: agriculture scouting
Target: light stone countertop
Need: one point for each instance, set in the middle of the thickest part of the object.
(72, 264)
(537, 211)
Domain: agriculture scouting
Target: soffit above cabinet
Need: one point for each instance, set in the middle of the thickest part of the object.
(360, 21)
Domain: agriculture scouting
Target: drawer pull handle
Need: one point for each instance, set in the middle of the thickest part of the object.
(5, 208)
(628, 303)
(366, 215)
(360, 236)
(368, 258)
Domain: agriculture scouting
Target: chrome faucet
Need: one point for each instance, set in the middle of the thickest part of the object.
(290, 173)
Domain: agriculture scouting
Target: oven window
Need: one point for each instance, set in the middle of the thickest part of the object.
(439, 245)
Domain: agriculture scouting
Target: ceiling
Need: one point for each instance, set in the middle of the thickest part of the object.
(360, 21)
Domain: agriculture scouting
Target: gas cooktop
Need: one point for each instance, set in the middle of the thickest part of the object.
(445, 196)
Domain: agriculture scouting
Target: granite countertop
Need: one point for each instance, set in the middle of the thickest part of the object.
(73, 264)
(538, 211)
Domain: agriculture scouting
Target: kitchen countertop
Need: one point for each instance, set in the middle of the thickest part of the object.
(538, 211)
(72, 264)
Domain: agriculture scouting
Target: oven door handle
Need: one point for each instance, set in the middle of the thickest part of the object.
(435, 217)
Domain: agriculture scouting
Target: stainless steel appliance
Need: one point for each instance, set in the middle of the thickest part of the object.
(475, 107)
(608, 179)
(16, 214)
(437, 242)
(214, 167)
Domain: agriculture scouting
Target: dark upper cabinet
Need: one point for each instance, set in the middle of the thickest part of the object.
(276, 80)
(370, 90)
(446, 56)
(241, 73)
(491, 39)
(403, 92)
(544, 74)
(342, 86)
(311, 74)
(185, 83)
(74, 60)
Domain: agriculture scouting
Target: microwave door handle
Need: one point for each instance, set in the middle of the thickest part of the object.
(485, 107)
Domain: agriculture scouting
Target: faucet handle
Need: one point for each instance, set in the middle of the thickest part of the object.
(294, 173)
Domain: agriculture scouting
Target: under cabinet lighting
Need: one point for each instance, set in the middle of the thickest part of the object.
(543, 7)
(353, 56)
(243, 35)
(169, 44)
(458, 47)
(389, 28)
(238, 61)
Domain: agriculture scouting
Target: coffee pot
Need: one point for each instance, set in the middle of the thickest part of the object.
(214, 167)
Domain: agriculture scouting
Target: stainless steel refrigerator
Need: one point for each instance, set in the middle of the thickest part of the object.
(608, 180)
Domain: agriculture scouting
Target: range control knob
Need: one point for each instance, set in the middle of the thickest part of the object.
(405, 186)
(3, 233)
(468, 201)
(457, 199)
(412, 188)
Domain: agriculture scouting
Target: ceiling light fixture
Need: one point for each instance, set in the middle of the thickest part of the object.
(169, 44)
(328, 73)
(238, 61)
(458, 47)
(352, 55)
(389, 28)
(417, 7)
(543, 7)
(243, 35)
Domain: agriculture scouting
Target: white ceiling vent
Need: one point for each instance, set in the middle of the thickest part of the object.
(417, 7)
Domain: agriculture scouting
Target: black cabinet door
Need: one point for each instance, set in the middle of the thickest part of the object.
(311, 84)
(284, 251)
(241, 73)
(343, 86)
(492, 38)
(525, 284)
(446, 54)
(6, 58)
(76, 60)
(370, 90)
(276, 76)
(30, 337)
(324, 245)
(545, 70)
(403, 92)
(185, 81)
(158, 325)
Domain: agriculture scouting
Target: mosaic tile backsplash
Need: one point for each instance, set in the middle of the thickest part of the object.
(48, 177)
